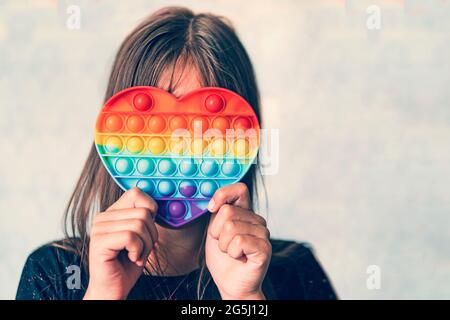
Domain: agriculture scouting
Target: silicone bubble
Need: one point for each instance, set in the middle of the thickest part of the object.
(177, 150)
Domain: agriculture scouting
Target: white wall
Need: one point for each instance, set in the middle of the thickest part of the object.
(364, 119)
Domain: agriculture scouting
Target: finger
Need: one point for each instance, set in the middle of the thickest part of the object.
(232, 228)
(143, 214)
(251, 248)
(123, 240)
(135, 198)
(236, 194)
(229, 212)
(135, 225)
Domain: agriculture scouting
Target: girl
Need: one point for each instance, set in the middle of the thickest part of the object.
(122, 253)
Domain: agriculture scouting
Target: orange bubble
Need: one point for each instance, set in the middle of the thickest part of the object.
(157, 124)
(221, 124)
(135, 123)
(178, 122)
(114, 123)
(135, 145)
(199, 123)
(156, 145)
(242, 123)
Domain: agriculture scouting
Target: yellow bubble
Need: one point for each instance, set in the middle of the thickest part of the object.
(241, 147)
(113, 144)
(218, 147)
(198, 146)
(156, 145)
(177, 145)
(135, 145)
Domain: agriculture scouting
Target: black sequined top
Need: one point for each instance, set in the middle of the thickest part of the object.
(293, 274)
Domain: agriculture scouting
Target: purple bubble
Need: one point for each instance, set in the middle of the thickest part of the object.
(177, 209)
(188, 188)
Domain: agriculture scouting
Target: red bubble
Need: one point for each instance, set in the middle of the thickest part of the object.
(142, 102)
(242, 123)
(214, 103)
(157, 124)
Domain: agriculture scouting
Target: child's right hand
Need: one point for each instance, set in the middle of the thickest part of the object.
(121, 240)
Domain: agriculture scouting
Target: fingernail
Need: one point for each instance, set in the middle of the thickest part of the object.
(211, 205)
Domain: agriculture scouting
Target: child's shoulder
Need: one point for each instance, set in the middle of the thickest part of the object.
(295, 273)
(47, 270)
(285, 251)
(58, 254)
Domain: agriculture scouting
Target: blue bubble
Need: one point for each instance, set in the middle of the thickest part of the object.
(188, 167)
(167, 167)
(230, 168)
(209, 167)
(124, 166)
(146, 185)
(207, 188)
(166, 188)
(145, 166)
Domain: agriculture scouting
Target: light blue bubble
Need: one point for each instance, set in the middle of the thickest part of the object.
(146, 185)
(124, 166)
(209, 167)
(207, 188)
(145, 166)
(166, 188)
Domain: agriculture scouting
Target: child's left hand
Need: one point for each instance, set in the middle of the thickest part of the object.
(237, 246)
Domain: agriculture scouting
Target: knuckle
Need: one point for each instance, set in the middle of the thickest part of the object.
(241, 188)
(239, 240)
(220, 194)
(222, 246)
(265, 232)
(229, 226)
(227, 209)
(267, 247)
(143, 213)
(138, 225)
(129, 236)
(261, 220)
(134, 192)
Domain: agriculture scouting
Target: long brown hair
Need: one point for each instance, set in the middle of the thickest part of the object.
(167, 38)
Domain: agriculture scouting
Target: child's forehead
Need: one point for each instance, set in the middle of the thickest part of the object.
(180, 79)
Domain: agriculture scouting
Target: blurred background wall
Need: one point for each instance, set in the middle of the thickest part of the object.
(362, 104)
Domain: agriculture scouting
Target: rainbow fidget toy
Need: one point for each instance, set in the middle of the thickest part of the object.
(178, 151)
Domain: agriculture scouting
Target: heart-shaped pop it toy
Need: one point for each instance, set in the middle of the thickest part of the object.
(179, 151)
